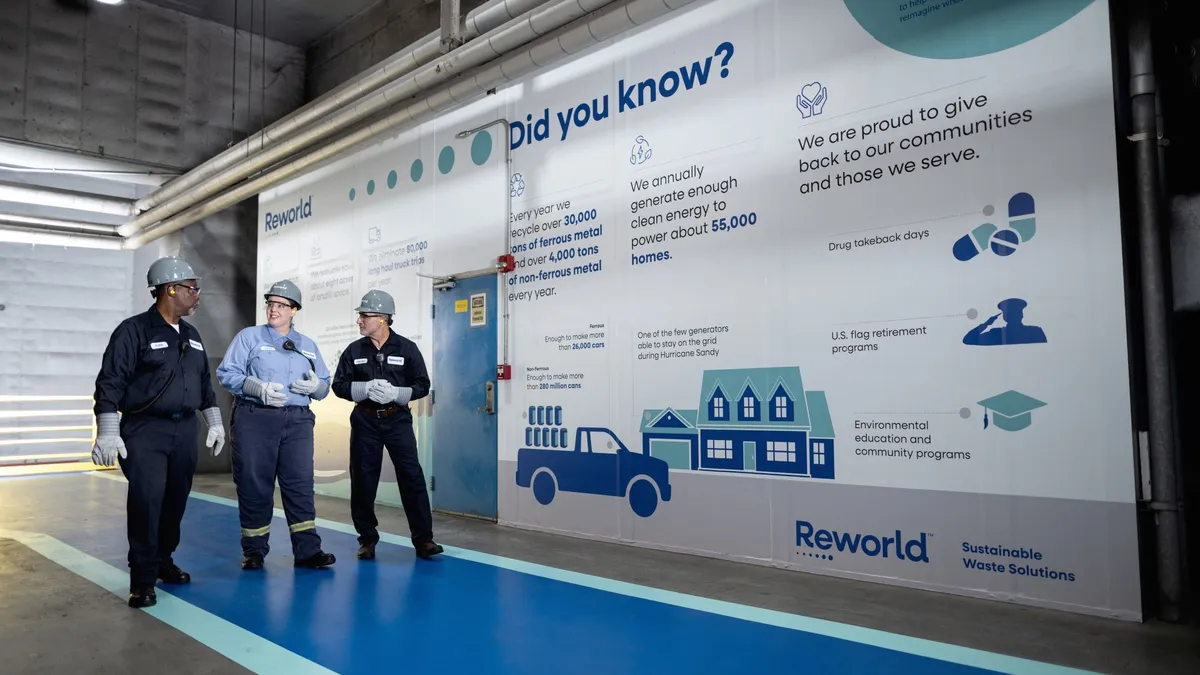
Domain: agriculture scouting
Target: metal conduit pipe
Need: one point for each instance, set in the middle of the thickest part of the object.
(581, 34)
(496, 43)
(54, 225)
(483, 19)
(1155, 280)
(65, 199)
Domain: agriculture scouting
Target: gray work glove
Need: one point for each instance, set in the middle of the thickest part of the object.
(382, 391)
(216, 432)
(307, 385)
(361, 391)
(270, 393)
(109, 444)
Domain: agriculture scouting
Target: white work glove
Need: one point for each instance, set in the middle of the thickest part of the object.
(382, 392)
(109, 444)
(307, 385)
(361, 391)
(216, 432)
(270, 393)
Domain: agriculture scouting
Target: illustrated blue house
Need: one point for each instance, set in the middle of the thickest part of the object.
(758, 420)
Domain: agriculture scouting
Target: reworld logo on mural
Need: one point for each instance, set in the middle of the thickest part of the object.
(912, 550)
(274, 221)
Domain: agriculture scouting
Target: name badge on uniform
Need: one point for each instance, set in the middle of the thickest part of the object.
(158, 345)
(267, 348)
(196, 345)
(395, 360)
(308, 354)
(359, 362)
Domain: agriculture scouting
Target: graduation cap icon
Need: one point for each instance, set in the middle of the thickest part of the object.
(1011, 411)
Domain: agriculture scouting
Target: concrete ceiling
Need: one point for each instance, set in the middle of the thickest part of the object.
(294, 22)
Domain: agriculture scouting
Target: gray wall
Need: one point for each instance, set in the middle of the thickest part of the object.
(1185, 251)
(136, 81)
(142, 83)
(385, 28)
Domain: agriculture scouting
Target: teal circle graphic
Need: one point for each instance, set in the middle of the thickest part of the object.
(392, 178)
(481, 148)
(370, 187)
(418, 168)
(446, 160)
(351, 194)
(963, 30)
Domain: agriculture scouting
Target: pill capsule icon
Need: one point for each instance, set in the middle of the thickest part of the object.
(974, 243)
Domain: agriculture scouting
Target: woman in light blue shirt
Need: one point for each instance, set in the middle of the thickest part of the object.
(274, 372)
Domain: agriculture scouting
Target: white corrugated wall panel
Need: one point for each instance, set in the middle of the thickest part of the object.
(59, 307)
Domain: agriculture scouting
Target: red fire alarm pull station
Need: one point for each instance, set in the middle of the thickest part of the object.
(503, 372)
(506, 263)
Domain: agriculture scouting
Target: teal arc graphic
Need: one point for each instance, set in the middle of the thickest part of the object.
(417, 170)
(446, 160)
(960, 29)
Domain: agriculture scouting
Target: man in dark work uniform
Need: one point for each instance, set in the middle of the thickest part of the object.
(381, 373)
(155, 374)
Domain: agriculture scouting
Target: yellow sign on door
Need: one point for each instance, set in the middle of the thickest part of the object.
(460, 306)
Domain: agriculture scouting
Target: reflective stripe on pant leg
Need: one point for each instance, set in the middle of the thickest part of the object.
(296, 481)
(256, 433)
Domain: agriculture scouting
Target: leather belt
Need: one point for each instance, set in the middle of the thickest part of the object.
(381, 413)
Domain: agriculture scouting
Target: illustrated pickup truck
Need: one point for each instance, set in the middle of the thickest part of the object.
(599, 464)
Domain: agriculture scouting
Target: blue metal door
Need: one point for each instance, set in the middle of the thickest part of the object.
(464, 458)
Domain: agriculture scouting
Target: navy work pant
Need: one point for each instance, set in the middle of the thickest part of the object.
(160, 465)
(269, 444)
(368, 437)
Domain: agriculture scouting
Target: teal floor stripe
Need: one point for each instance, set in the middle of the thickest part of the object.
(901, 643)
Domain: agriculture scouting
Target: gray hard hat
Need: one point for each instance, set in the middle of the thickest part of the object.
(377, 302)
(169, 270)
(284, 289)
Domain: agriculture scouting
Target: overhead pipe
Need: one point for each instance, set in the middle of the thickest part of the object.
(1155, 278)
(483, 19)
(496, 43)
(508, 172)
(578, 35)
(64, 199)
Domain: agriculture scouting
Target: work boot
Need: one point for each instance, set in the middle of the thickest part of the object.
(428, 549)
(142, 596)
(316, 560)
(252, 561)
(171, 574)
(366, 552)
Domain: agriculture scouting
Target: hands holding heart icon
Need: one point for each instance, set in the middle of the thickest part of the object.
(811, 100)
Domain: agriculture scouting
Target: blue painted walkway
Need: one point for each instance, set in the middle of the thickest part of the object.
(467, 612)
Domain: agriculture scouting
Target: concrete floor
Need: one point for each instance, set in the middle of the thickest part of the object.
(52, 621)
(42, 604)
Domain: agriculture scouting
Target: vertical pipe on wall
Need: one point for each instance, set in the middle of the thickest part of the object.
(503, 122)
(1155, 315)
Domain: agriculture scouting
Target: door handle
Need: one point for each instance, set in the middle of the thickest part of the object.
(489, 393)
